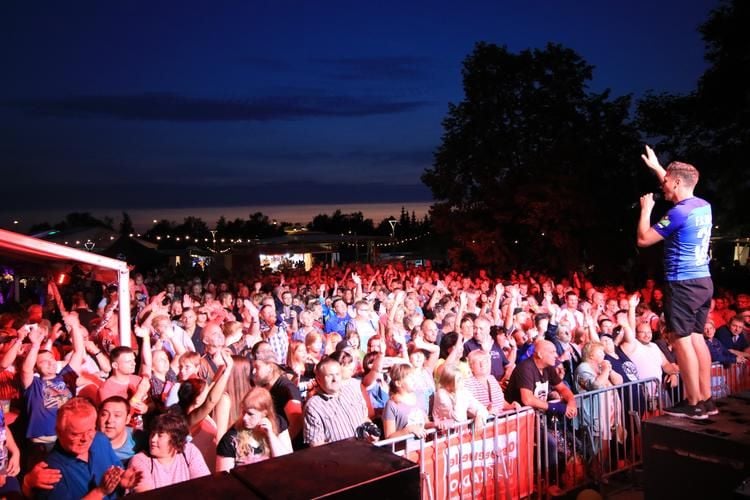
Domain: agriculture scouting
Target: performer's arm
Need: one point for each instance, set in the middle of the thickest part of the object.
(652, 162)
(647, 235)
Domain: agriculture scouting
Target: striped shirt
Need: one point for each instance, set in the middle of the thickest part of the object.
(279, 341)
(487, 392)
(329, 418)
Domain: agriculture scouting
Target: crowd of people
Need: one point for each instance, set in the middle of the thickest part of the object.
(223, 373)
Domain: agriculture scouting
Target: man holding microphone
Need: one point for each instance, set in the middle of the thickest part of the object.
(686, 231)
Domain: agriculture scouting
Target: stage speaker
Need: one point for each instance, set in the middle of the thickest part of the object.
(342, 470)
(220, 485)
(743, 492)
(684, 458)
(348, 469)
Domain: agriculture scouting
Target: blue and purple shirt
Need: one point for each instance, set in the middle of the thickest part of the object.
(686, 230)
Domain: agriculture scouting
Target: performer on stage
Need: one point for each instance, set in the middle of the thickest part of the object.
(686, 231)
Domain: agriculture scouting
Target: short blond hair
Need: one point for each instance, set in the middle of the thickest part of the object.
(686, 172)
(77, 406)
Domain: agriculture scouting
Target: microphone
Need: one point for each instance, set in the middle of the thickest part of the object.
(657, 197)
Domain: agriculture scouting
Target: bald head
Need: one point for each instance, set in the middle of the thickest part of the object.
(545, 353)
(212, 337)
(429, 330)
(482, 329)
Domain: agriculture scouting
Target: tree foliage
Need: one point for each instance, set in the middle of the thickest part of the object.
(126, 225)
(340, 223)
(533, 167)
(75, 220)
(710, 126)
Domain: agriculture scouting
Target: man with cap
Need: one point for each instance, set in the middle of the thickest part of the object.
(287, 400)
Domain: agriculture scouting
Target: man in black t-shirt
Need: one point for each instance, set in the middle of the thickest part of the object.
(534, 378)
(530, 384)
(287, 400)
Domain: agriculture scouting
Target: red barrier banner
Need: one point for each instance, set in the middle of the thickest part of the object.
(496, 462)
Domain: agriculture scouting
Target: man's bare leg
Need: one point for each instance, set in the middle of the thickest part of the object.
(704, 365)
(687, 359)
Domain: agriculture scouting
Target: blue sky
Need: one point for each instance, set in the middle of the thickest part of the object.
(132, 105)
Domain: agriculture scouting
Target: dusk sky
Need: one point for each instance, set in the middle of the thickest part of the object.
(110, 106)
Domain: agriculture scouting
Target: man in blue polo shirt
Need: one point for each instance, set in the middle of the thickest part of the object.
(88, 466)
(338, 320)
(686, 232)
(483, 340)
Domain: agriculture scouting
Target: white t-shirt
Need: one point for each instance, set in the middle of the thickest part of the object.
(647, 359)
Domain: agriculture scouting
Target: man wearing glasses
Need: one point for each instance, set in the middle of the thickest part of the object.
(84, 457)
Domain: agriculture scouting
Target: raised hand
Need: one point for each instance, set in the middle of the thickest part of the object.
(586, 308)
(651, 160)
(634, 300)
(141, 331)
(647, 202)
(36, 335)
(156, 300)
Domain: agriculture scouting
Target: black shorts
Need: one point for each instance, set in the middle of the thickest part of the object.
(686, 305)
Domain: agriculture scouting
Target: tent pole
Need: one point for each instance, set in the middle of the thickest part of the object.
(123, 293)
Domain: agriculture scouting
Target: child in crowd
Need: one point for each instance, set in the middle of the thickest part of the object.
(254, 436)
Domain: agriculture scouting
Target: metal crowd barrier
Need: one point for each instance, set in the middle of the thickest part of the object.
(495, 461)
(725, 381)
(602, 440)
(730, 379)
(526, 453)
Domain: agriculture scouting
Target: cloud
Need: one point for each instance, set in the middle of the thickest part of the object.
(377, 68)
(177, 108)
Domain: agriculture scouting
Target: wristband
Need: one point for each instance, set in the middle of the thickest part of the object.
(98, 353)
(556, 408)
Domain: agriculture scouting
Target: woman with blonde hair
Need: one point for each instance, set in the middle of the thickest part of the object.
(237, 386)
(600, 414)
(332, 340)
(314, 345)
(453, 402)
(254, 436)
(300, 362)
(232, 331)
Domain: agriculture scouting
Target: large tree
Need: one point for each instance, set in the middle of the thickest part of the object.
(533, 167)
(710, 126)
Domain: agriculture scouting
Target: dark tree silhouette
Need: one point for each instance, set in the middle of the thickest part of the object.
(533, 168)
(126, 225)
(710, 126)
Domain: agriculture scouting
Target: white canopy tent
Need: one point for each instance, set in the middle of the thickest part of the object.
(19, 248)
